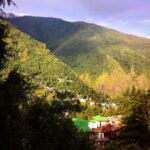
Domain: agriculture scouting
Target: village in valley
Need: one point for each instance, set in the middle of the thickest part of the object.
(101, 129)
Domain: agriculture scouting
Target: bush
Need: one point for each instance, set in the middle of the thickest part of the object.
(112, 146)
(132, 147)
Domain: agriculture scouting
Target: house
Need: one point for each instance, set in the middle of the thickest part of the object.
(115, 119)
(69, 81)
(82, 100)
(101, 129)
(94, 124)
(61, 80)
(106, 105)
(93, 102)
(103, 120)
(100, 136)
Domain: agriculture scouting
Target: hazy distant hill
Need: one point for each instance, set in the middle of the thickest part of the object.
(33, 59)
(105, 59)
(7, 15)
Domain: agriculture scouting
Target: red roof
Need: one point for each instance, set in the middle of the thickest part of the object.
(96, 130)
(109, 127)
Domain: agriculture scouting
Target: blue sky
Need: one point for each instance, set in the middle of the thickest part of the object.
(130, 16)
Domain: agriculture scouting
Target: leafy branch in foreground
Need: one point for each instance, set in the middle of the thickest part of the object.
(8, 2)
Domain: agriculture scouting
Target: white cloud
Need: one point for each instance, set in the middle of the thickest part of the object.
(146, 21)
(105, 24)
(20, 14)
(148, 36)
(69, 19)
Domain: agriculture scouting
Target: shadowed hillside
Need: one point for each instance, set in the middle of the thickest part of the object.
(105, 59)
(33, 59)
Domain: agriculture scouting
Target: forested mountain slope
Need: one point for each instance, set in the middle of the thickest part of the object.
(105, 59)
(34, 60)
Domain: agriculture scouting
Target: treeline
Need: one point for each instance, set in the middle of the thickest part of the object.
(99, 55)
(35, 123)
(28, 122)
(134, 106)
(33, 59)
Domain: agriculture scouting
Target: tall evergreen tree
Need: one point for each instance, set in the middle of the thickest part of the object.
(136, 124)
(13, 92)
(50, 126)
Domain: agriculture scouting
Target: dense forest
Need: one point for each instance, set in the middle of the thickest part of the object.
(109, 61)
(135, 134)
(30, 121)
(33, 59)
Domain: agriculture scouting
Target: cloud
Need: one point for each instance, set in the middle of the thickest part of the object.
(148, 36)
(105, 24)
(146, 21)
(113, 8)
(20, 13)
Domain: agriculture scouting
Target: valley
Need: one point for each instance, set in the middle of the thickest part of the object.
(106, 60)
(72, 86)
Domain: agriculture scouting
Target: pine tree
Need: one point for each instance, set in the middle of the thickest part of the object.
(136, 125)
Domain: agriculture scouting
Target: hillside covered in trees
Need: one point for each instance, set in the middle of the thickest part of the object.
(109, 61)
(33, 59)
(29, 119)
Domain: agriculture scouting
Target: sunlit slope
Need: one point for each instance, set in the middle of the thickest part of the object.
(38, 63)
(105, 59)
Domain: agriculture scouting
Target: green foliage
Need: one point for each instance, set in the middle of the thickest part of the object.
(32, 123)
(115, 146)
(112, 146)
(93, 51)
(35, 60)
(136, 122)
(13, 100)
(131, 99)
(36, 124)
(2, 43)
(134, 107)
(132, 147)
(89, 111)
(51, 129)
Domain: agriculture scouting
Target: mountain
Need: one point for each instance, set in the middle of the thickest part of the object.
(7, 15)
(34, 60)
(107, 60)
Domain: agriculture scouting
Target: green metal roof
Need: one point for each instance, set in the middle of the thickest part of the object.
(93, 121)
(82, 125)
(99, 118)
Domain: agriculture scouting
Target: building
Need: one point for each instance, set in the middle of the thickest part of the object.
(100, 136)
(101, 129)
(92, 102)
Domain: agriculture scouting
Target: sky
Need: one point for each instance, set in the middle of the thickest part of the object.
(129, 16)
